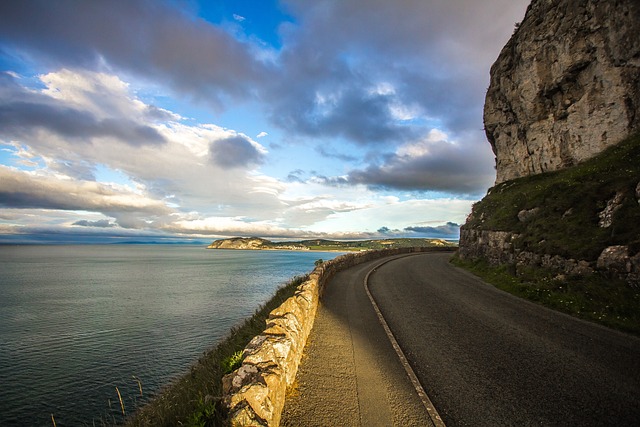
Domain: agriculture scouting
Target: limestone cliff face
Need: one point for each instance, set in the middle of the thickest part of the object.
(241, 243)
(566, 86)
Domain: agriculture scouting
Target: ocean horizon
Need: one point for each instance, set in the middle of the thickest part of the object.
(77, 321)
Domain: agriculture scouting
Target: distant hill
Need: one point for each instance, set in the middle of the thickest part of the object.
(256, 243)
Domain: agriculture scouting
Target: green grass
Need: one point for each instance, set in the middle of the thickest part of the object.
(569, 202)
(194, 399)
(611, 303)
(355, 246)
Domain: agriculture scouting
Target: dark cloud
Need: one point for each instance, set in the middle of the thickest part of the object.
(23, 191)
(384, 230)
(349, 66)
(330, 153)
(22, 111)
(101, 223)
(354, 113)
(450, 230)
(156, 39)
(235, 152)
(296, 176)
(444, 167)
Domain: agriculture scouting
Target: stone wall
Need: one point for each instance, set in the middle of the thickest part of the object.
(254, 394)
(565, 87)
(498, 248)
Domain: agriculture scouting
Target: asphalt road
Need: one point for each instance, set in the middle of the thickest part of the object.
(487, 358)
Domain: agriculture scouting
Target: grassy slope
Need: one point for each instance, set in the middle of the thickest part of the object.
(611, 303)
(569, 201)
(567, 225)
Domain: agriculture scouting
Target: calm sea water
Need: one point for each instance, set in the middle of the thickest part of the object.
(78, 321)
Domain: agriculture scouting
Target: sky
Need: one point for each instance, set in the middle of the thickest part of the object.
(185, 120)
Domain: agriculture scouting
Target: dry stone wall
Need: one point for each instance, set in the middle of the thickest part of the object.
(498, 248)
(254, 394)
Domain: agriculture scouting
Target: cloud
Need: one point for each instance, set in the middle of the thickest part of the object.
(342, 78)
(21, 189)
(155, 39)
(184, 166)
(262, 135)
(237, 151)
(23, 112)
(331, 153)
(447, 231)
(431, 165)
(101, 223)
(345, 109)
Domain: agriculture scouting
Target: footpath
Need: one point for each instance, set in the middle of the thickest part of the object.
(350, 374)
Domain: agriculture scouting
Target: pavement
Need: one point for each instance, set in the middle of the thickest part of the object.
(350, 374)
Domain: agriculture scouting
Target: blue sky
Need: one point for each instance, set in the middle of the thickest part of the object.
(172, 120)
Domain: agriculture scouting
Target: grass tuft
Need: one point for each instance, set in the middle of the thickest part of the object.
(233, 362)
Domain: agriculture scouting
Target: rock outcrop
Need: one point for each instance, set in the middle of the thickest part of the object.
(565, 87)
(251, 243)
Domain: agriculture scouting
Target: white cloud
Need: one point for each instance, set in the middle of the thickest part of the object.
(398, 215)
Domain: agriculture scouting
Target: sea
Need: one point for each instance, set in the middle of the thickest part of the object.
(78, 321)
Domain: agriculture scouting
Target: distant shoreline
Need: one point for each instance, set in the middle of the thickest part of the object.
(323, 245)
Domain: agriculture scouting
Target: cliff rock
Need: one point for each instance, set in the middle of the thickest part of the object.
(565, 87)
(252, 243)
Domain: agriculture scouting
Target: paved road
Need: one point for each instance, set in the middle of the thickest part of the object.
(489, 359)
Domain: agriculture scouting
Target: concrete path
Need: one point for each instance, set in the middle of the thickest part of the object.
(350, 374)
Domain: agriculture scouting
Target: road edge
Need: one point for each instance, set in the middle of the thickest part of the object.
(422, 394)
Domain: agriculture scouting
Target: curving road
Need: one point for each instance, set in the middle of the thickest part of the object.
(484, 357)
(488, 358)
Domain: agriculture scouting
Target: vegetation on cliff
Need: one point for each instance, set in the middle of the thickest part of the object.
(256, 243)
(575, 213)
(609, 302)
(561, 213)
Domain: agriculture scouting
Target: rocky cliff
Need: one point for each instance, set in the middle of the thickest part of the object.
(564, 98)
(565, 87)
